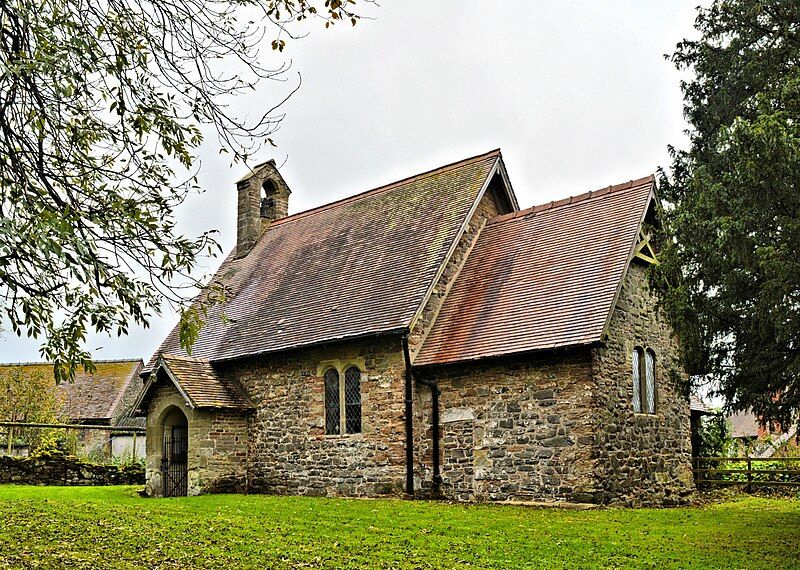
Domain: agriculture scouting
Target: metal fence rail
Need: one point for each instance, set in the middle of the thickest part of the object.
(750, 472)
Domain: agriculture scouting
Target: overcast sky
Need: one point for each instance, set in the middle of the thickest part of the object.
(576, 94)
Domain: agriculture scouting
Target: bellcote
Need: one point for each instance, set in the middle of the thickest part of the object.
(263, 198)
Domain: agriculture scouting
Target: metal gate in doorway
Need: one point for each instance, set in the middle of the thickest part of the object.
(174, 464)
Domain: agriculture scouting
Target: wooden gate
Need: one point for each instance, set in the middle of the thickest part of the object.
(749, 472)
(174, 464)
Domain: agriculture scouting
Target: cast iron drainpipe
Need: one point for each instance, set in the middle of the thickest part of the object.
(409, 395)
(409, 378)
(435, 393)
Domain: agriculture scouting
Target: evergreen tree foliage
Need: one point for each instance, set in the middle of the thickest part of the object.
(730, 269)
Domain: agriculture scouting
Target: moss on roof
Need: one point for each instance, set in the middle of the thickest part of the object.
(90, 396)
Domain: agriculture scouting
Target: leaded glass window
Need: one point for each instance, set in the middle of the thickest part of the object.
(352, 398)
(650, 381)
(332, 402)
(637, 357)
(343, 401)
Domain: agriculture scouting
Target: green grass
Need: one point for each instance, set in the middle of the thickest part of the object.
(111, 527)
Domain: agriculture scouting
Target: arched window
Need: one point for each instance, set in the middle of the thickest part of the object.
(649, 400)
(352, 398)
(343, 401)
(644, 380)
(638, 363)
(332, 402)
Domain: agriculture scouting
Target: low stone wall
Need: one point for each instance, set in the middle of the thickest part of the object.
(57, 469)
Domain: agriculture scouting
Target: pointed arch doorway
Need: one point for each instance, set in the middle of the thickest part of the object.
(174, 462)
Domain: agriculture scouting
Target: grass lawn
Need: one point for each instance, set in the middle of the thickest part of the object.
(111, 527)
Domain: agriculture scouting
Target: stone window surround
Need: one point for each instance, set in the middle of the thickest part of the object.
(341, 366)
(645, 350)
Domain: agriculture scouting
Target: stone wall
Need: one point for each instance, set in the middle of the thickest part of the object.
(642, 459)
(562, 427)
(512, 429)
(552, 427)
(94, 445)
(289, 451)
(221, 438)
(217, 449)
(58, 469)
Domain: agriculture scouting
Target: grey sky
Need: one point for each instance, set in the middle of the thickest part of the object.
(576, 94)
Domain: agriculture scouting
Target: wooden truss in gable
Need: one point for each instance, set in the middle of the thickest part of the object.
(644, 249)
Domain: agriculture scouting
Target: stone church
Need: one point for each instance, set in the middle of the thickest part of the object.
(428, 338)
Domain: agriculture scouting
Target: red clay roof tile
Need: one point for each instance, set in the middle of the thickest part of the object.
(540, 278)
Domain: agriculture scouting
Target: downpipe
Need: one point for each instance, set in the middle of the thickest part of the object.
(409, 395)
(435, 393)
(409, 409)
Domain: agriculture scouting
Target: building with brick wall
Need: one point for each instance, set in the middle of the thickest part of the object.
(428, 338)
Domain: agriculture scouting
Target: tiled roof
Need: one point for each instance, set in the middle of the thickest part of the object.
(744, 424)
(94, 397)
(541, 278)
(697, 405)
(200, 383)
(355, 267)
(132, 421)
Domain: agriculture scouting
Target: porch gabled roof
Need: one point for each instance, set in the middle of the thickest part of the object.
(197, 382)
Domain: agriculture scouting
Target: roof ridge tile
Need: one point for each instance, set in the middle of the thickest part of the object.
(569, 200)
(386, 187)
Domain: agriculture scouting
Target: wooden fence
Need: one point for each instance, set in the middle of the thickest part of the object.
(749, 472)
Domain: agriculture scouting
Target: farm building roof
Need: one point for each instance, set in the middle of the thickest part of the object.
(98, 397)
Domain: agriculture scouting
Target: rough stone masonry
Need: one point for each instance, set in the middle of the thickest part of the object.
(561, 426)
(531, 408)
